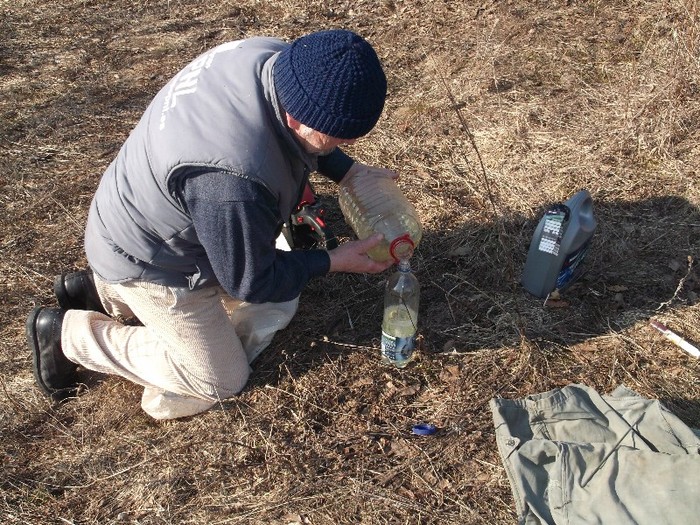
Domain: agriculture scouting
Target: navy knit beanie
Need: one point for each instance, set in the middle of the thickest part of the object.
(331, 81)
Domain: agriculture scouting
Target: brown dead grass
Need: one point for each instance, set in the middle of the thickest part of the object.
(558, 96)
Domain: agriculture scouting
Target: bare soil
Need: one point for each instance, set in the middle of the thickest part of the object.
(495, 111)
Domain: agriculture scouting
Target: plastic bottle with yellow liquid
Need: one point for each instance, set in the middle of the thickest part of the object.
(400, 323)
(373, 203)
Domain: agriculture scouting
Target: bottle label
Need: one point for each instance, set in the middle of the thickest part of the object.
(569, 269)
(553, 230)
(397, 349)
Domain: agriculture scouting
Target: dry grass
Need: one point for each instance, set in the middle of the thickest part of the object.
(557, 96)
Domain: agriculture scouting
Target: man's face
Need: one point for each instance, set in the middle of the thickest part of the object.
(313, 141)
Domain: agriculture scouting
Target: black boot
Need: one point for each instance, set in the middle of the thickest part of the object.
(76, 291)
(54, 373)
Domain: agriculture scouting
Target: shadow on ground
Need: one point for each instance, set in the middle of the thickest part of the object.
(642, 261)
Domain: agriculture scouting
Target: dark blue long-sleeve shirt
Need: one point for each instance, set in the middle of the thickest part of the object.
(237, 222)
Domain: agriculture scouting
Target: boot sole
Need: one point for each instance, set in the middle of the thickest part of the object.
(36, 354)
(59, 291)
(36, 358)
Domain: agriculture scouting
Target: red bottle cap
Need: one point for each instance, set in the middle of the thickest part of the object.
(401, 246)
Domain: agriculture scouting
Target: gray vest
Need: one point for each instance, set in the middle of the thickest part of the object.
(219, 112)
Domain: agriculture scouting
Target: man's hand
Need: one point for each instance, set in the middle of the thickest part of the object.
(352, 256)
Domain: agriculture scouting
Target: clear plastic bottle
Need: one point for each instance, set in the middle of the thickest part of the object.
(373, 203)
(401, 300)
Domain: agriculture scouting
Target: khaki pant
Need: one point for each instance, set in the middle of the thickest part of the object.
(193, 349)
(576, 457)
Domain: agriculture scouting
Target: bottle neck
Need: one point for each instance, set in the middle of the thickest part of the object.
(401, 247)
(404, 265)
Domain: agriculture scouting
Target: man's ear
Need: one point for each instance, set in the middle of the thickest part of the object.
(292, 122)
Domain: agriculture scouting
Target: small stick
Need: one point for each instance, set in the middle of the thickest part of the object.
(675, 338)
